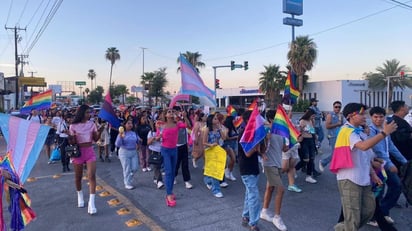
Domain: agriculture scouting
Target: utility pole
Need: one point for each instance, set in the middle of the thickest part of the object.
(31, 73)
(22, 62)
(143, 91)
(16, 59)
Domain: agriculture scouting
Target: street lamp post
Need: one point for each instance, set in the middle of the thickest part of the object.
(387, 90)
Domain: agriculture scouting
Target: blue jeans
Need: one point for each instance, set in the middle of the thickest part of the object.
(328, 159)
(252, 205)
(130, 163)
(169, 163)
(392, 194)
(319, 133)
(214, 183)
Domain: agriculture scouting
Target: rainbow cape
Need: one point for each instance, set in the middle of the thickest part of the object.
(254, 131)
(284, 127)
(38, 102)
(341, 156)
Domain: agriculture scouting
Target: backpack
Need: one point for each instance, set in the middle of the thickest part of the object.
(406, 180)
(37, 115)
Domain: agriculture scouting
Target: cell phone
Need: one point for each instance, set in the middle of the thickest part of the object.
(389, 119)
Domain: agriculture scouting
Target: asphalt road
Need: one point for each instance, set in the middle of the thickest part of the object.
(54, 200)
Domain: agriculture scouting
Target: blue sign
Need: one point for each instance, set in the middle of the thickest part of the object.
(294, 7)
(292, 21)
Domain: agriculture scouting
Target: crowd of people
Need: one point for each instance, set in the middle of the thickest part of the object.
(176, 134)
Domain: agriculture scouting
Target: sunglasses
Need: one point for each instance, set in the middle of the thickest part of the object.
(338, 106)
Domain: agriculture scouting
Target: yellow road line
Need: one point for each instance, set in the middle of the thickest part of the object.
(151, 224)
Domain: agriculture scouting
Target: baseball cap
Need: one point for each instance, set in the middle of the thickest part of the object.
(314, 100)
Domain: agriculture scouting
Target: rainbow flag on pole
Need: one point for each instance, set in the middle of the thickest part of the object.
(284, 127)
(231, 111)
(291, 94)
(38, 102)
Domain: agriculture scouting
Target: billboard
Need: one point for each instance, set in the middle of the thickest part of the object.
(294, 7)
(32, 81)
(57, 89)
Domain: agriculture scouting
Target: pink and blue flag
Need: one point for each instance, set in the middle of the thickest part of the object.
(192, 84)
(107, 112)
(25, 140)
(254, 131)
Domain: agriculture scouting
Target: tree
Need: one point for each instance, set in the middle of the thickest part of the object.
(120, 90)
(379, 80)
(112, 54)
(194, 59)
(87, 90)
(96, 95)
(91, 75)
(301, 56)
(158, 83)
(147, 79)
(270, 82)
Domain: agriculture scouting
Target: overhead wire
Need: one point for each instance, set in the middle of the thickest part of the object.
(8, 14)
(22, 12)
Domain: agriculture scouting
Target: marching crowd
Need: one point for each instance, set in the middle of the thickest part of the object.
(365, 157)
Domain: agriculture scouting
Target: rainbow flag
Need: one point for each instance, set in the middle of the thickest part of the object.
(291, 94)
(231, 110)
(107, 112)
(254, 131)
(341, 156)
(284, 127)
(38, 102)
(253, 105)
(238, 121)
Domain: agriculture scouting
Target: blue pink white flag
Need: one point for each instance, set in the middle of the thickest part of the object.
(254, 131)
(192, 84)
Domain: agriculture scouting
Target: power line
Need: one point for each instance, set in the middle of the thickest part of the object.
(402, 3)
(22, 12)
(8, 14)
(35, 12)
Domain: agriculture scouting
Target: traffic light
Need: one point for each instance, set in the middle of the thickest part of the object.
(232, 65)
(402, 74)
(217, 84)
(246, 65)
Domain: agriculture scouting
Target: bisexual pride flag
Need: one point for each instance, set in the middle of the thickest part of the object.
(107, 113)
(254, 131)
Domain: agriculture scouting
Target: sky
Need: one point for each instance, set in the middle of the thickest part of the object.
(352, 37)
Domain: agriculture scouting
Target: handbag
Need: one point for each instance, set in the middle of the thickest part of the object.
(55, 155)
(155, 158)
(72, 150)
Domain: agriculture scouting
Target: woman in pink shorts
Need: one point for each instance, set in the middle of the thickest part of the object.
(85, 132)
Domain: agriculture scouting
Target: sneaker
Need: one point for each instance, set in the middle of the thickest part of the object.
(245, 221)
(321, 167)
(389, 219)
(294, 188)
(194, 163)
(149, 169)
(130, 187)
(227, 173)
(266, 216)
(209, 186)
(188, 185)
(160, 185)
(175, 181)
(218, 195)
(231, 177)
(144, 169)
(224, 184)
(278, 222)
(373, 223)
(154, 181)
(310, 179)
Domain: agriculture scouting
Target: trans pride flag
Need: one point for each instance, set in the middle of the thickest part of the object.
(38, 102)
(254, 131)
(284, 127)
(291, 94)
(107, 113)
(25, 140)
(192, 84)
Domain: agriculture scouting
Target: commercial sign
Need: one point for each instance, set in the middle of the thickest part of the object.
(292, 21)
(80, 83)
(57, 89)
(32, 81)
(251, 91)
(294, 7)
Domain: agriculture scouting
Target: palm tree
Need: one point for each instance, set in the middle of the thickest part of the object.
(158, 83)
(147, 79)
(379, 79)
(270, 82)
(301, 56)
(194, 59)
(91, 75)
(112, 54)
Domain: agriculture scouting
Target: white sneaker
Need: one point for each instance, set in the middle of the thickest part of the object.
(194, 163)
(266, 216)
(389, 219)
(232, 178)
(175, 182)
(209, 186)
(224, 184)
(218, 195)
(188, 185)
(278, 222)
(373, 223)
(310, 179)
(160, 184)
(155, 181)
(144, 169)
(129, 187)
(149, 169)
(227, 173)
(321, 168)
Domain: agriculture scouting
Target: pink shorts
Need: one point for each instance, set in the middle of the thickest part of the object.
(87, 155)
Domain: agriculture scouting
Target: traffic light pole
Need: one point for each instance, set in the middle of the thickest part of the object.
(232, 67)
(214, 74)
